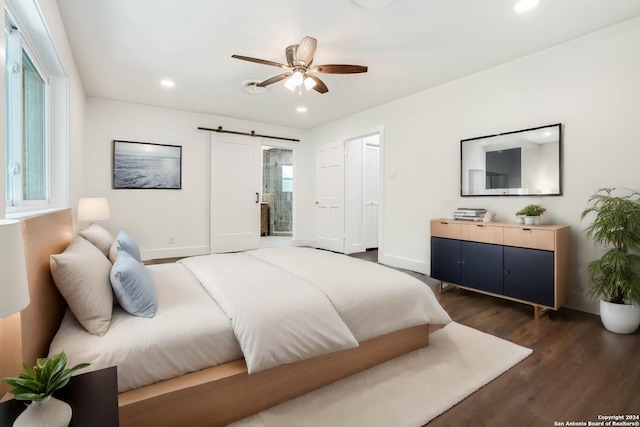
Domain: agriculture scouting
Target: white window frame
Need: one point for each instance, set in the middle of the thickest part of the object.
(16, 43)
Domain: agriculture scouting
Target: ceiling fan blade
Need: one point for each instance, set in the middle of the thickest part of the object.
(339, 69)
(306, 50)
(260, 61)
(320, 86)
(273, 80)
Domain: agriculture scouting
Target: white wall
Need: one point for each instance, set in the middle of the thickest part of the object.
(590, 85)
(151, 216)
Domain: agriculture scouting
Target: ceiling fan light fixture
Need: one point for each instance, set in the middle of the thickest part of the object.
(290, 84)
(309, 83)
(294, 81)
(297, 78)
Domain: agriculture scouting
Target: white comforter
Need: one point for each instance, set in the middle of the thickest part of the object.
(271, 306)
(188, 333)
(277, 317)
(372, 299)
(290, 304)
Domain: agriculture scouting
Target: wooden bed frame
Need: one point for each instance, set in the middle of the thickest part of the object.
(214, 396)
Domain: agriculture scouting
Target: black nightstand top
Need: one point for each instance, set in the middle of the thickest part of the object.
(93, 398)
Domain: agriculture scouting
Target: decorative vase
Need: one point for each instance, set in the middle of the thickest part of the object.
(519, 219)
(48, 412)
(620, 318)
(530, 220)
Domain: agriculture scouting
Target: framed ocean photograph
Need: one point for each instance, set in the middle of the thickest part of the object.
(146, 165)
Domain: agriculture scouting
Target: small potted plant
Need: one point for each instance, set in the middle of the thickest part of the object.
(615, 277)
(37, 384)
(530, 213)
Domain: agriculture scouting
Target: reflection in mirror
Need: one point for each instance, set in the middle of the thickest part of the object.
(520, 163)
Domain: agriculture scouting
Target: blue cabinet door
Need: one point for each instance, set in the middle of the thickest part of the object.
(445, 260)
(529, 275)
(481, 266)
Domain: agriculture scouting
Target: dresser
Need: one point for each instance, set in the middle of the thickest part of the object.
(523, 263)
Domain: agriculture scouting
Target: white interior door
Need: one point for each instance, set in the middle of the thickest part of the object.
(355, 170)
(330, 197)
(235, 193)
(371, 194)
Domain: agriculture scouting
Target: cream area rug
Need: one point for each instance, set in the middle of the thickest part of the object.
(405, 392)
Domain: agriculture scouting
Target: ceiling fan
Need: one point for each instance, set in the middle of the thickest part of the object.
(299, 60)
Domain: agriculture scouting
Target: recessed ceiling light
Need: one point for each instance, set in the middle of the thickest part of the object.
(301, 109)
(525, 5)
(167, 83)
(373, 4)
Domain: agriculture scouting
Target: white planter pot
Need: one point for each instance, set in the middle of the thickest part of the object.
(620, 318)
(48, 412)
(530, 220)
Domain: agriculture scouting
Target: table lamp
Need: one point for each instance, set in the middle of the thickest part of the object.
(93, 209)
(14, 288)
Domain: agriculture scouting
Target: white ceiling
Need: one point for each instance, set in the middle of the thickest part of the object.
(123, 48)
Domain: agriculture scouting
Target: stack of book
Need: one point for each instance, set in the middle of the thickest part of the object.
(469, 214)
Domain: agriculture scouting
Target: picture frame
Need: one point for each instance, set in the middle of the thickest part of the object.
(146, 165)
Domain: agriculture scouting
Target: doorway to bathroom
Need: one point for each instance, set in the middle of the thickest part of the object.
(276, 209)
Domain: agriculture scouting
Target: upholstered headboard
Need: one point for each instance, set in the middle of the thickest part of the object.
(26, 336)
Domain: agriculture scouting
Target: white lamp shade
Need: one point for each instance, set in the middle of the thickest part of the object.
(14, 288)
(93, 209)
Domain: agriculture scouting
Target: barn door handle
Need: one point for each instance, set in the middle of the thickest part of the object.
(257, 197)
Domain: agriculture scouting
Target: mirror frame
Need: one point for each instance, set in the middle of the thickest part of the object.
(560, 160)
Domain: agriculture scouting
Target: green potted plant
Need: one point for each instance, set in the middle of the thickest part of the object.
(615, 277)
(37, 384)
(530, 213)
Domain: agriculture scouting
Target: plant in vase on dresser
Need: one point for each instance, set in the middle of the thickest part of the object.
(531, 214)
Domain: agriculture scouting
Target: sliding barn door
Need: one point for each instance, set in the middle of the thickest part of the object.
(235, 193)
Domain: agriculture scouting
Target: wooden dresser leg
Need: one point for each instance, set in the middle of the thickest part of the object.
(538, 312)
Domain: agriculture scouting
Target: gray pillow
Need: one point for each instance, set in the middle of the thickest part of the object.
(100, 237)
(81, 274)
(124, 242)
(133, 286)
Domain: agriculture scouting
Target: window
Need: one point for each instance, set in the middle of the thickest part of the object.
(27, 140)
(287, 178)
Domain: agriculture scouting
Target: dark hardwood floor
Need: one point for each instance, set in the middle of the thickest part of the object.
(578, 370)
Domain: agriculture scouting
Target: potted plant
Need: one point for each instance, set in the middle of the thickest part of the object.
(530, 213)
(37, 384)
(615, 277)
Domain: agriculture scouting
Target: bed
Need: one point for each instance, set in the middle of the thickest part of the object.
(242, 381)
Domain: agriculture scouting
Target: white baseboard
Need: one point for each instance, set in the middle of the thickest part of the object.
(302, 242)
(180, 252)
(405, 263)
(579, 301)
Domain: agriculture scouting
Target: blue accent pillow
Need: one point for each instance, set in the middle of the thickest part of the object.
(124, 242)
(133, 286)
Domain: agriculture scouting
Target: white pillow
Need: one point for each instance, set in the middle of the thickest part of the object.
(133, 286)
(81, 274)
(100, 237)
(124, 242)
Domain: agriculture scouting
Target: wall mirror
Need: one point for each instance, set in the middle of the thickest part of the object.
(521, 163)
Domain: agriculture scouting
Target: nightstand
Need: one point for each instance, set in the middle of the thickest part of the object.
(93, 398)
